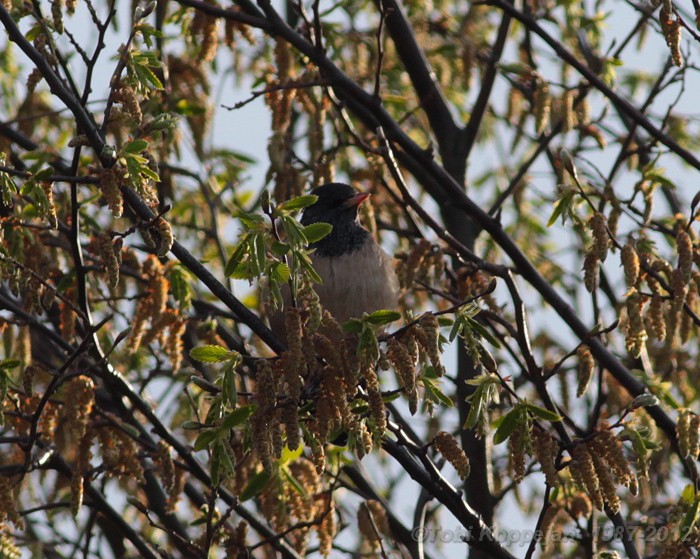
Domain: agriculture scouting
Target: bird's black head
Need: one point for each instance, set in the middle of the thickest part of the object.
(337, 204)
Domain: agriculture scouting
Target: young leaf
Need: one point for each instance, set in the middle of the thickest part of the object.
(382, 317)
(297, 203)
(211, 354)
(542, 413)
(434, 393)
(354, 326)
(507, 425)
(238, 416)
(255, 486)
(317, 231)
(236, 257)
(229, 392)
(280, 272)
(137, 146)
(204, 439)
(179, 283)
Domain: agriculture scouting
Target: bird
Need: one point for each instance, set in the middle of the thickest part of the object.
(357, 274)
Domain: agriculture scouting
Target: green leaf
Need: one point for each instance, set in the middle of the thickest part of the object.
(192, 425)
(308, 268)
(211, 354)
(293, 481)
(688, 494)
(368, 342)
(279, 248)
(542, 413)
(135, 162)
(291, 455)
(294, 231)
(434, 393)
(44, 174)
(150, 173)
(259, 251)
(188, 108)
(236, 257)
(297, 203)
(382, 317)
(238, 416)
(229, 392)
(217, 466)
(137, 146)
(475, 410)
(507, 425)
(280, 272)
(34, 32)
(255, 486)
(180, 285)
(317, 231)
(659, 178)
(204, 439)
(146, 75)
(483, 332)
(7, 364)
(515, 68)
(564, 203)
(205, 385)
(354, 326)
(690, 519)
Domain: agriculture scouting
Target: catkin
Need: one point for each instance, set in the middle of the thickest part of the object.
(546, 450)
(586, 369)
(684, 246)
(630, 263)
(636, 333)
(516, 454)
(543, 105)
(590, 271)
(448, 446)
(671, 29)
(601, 239)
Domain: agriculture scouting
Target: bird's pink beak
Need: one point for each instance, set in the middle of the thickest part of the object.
(356, 200)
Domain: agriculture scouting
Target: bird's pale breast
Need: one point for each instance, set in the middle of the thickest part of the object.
(357, 282)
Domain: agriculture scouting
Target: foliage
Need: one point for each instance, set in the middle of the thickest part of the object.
(532, 168)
